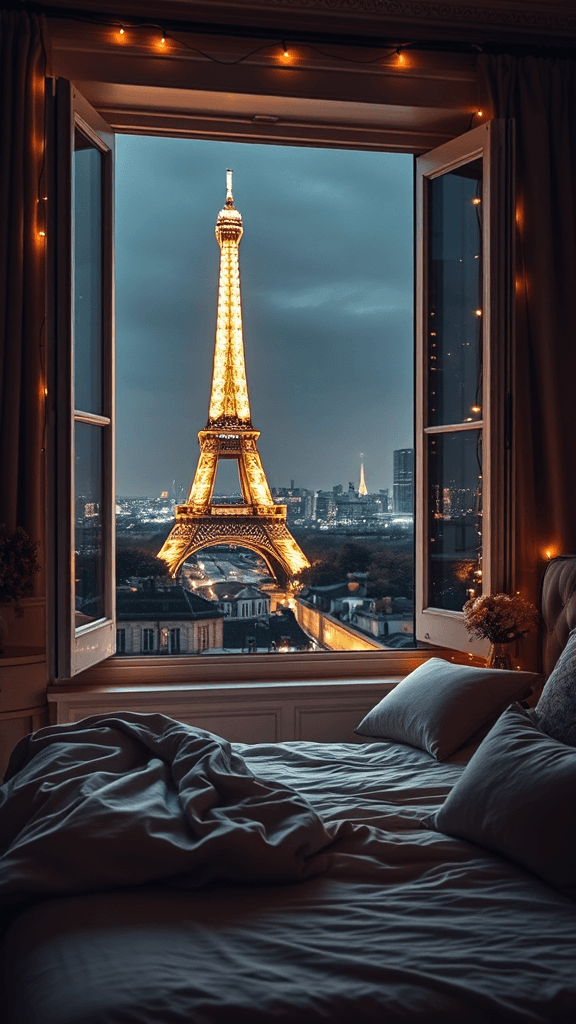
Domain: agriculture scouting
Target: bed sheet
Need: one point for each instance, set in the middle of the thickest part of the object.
(406, 925)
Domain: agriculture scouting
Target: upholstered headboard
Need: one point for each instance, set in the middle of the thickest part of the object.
(558, 606)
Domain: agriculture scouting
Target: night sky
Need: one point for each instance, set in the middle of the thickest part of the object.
(327, 293)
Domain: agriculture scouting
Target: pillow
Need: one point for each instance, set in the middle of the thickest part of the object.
(517, 797)
(441, 705)
(556, 708)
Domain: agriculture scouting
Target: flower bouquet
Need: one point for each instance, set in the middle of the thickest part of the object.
(501, 619)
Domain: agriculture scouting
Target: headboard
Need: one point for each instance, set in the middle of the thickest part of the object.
(558, 607)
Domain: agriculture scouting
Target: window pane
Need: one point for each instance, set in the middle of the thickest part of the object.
(454, 323)
(89, 574)
(87, 275)
(326, 319)
(455, 517)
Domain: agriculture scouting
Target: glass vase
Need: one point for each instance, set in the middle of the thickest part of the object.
(499, 656)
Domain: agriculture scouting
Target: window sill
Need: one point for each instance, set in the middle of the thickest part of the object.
(142, 671)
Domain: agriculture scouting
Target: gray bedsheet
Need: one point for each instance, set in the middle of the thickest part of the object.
(406, 925)
(112, 801)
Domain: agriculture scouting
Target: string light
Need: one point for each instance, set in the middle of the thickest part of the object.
(397, 51)
(476, 201)
(41, 217)
(478, 312)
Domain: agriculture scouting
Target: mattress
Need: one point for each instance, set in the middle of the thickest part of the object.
(405, 925)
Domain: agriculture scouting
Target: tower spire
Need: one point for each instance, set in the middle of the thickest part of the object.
(259, 523)
(362, 489)
(229, 197)
(229, 396)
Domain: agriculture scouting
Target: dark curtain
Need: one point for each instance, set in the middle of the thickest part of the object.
(540, 94)
(22, 271)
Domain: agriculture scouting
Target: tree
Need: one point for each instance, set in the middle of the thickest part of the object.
(391, 574)
(136, 561)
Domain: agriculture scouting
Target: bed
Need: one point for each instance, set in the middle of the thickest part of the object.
(383, 882)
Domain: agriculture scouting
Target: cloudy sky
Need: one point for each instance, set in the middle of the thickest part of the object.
(326, 272)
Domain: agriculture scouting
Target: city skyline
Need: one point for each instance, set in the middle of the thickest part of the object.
(326, 266)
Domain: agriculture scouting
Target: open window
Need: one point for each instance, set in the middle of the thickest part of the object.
(83, 372)
(463, 314)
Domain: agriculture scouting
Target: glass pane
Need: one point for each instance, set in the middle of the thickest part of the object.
(455, 296)
(335, 415)
(455, 518)
(87, 275)
(89, 554)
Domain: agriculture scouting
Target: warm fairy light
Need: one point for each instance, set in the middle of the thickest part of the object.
(476, 201)
(475, 408)
(401, 61)
(480, 113)
(41, 217)
(121, 32)
(285, 50)
(549, 553)
(478, 312)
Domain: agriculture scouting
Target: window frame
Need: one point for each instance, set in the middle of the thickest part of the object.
(332, 664)
(493, 142)
(72, 648)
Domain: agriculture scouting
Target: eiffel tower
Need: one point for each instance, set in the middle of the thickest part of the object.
(257, 523)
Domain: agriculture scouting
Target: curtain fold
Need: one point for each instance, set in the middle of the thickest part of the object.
(22, 270)
(540, 94)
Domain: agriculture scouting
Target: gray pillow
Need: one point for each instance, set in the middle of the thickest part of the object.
(517, 797)
(440, 705)
(556, 708)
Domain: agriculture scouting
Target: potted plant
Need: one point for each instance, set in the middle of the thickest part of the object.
(18, 566)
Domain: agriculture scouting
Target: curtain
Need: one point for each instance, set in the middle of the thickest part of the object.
(540, 94)
(22, 271)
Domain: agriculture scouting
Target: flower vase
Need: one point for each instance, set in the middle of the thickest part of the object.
(499, 656)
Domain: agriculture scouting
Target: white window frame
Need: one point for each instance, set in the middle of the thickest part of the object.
(491, 142)
(109, 670)
(76, 648)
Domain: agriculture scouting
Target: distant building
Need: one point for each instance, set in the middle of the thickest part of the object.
(280, 632)
(300, 502)
(391, 617)
(166, 621)
(326, 504)
(239, 600)
(404, 481)
(329, 598)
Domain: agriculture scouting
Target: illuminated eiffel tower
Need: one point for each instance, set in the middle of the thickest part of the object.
(257, 523)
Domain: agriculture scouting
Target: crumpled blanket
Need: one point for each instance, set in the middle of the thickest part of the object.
(114, 801)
